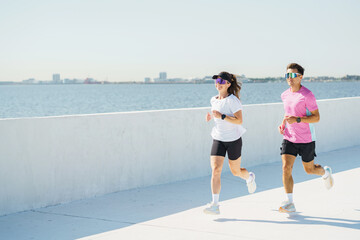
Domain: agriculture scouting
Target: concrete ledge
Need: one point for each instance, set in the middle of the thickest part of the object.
(52, 160)
(174, 210)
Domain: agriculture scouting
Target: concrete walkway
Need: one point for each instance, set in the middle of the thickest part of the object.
(174, 211)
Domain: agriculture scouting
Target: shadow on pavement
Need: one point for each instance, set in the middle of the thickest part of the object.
(304, 220)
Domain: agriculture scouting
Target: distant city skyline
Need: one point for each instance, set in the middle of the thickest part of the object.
(56, 79)
(129, 40)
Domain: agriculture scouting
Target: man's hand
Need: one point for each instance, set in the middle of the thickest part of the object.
(216, 114)
(290, 119)
(281, 129)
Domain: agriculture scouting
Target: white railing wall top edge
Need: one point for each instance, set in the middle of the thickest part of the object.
(160, 110)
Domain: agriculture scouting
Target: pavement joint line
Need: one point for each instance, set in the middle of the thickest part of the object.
(83, 217)
(146, 224)
(200, 231)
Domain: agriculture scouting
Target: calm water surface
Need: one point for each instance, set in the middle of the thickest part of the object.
(18, 101)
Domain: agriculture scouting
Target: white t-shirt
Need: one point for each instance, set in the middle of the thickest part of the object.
(223, 130)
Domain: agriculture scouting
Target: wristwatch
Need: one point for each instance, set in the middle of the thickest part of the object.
(298, 119)
(223, 116)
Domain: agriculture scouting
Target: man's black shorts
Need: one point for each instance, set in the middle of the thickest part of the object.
(233, 149)
(305, 150)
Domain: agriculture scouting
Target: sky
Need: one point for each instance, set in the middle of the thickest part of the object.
(117, 40)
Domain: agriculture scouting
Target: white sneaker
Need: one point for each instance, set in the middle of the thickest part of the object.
(329, 181)
(287, 207)
(212, 209)
(252, 184)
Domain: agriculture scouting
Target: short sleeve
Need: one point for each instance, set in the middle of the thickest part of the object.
(235, 105)
(310, 102)
(212, 100)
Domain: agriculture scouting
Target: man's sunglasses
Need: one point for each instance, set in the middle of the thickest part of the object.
(292, 75)
(220, 81)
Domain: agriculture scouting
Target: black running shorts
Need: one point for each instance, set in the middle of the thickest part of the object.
(233, 149)
(305, 150)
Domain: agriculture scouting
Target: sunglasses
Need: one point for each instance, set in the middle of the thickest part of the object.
(220, 81)
(292, 75)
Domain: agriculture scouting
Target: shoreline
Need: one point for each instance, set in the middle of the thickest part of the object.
(152, 83)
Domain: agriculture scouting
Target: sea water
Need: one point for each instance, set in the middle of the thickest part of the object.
(18, 101)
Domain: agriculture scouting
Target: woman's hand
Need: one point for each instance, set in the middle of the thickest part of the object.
(216, 114)
(208, 117)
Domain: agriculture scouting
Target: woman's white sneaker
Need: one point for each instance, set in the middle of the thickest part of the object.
(212, 209)
(251, 184)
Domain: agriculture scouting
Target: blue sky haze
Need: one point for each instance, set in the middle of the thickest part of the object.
(129, 40)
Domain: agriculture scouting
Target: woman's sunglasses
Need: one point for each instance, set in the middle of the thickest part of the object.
(220, 81)
(292, 75)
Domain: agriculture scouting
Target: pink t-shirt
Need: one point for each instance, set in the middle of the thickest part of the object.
(299, 104)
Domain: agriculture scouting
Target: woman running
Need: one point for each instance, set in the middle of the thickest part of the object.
(227, 114)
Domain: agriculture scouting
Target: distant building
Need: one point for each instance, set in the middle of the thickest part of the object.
(56, 78)
(73, 81)
(29, 81)
(6, 83)
(147, 80)
(208, 79)
(351, 78)
(176, 80)
(242, 78)
(162, 76)
(91, 81)
(68, 81)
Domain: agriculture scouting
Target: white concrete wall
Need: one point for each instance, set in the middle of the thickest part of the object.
(47, 161)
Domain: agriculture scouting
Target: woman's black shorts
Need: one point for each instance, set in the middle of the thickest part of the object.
(233, 149)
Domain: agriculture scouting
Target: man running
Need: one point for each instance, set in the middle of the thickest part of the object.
(301, 111)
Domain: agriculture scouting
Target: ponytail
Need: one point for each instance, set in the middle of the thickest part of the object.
(235, 86)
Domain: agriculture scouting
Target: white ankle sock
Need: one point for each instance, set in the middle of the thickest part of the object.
(289, 197)
(325, 175)
(215, 198)
(251, 177)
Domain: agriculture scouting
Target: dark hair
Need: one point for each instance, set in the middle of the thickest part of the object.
(296, 66)
(235, 87)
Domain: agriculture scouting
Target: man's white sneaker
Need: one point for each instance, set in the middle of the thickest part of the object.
(329, 180)
(251, 184)
(212, 209)
(287, 207)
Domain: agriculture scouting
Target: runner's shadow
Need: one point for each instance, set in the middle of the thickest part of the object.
(297, 218)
